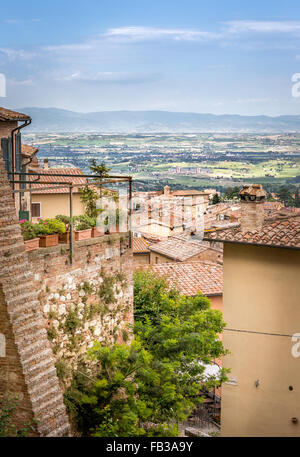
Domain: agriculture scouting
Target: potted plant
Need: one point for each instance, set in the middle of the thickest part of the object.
(98, 228)
(64, 237)
(83, 227)
(48, 231)
(117, 217)
(29, 233)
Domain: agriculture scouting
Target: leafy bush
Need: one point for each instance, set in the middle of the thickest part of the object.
(89, 198)
(62, 218)
(29, 230)
(50, 227)
(157, 380)
(84, 222)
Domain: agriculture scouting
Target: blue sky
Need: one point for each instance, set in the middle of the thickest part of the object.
(192, 55)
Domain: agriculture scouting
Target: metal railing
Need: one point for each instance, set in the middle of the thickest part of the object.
(95, 180)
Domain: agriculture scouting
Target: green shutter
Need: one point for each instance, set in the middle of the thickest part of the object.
(6, 150)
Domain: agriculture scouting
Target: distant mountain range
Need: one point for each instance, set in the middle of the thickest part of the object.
(60, 120)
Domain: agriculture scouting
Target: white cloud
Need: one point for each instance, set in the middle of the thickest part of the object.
(20, 21)
(23, 82)
(14, 54)
(109, 77)
(246, 26)
(132, 35)
(136, 34)
(70, 47)
(255, 100)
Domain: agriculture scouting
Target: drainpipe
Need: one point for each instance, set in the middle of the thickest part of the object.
(13, 146)
(23, 168)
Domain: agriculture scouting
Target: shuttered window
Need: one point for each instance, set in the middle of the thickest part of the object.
(35, 210)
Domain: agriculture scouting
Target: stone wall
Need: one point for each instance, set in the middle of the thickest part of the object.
(90, 299)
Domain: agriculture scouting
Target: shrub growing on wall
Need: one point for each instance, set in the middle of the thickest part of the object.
(142, 388)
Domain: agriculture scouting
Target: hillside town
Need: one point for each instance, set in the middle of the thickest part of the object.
(76, 236)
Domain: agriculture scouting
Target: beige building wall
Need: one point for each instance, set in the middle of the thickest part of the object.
(159, 230)
(261, 307)
(54, 204)
(216, 302)
(141, 259)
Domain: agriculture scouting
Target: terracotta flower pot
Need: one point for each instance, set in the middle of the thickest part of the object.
(48, 240)
(97, 232)
(113, 230)
(32, 245)
(64, 237)
(83, 234)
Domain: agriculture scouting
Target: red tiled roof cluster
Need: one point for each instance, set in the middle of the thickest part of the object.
(192, 277)
(28, 151)
(45, 182)
(140, 246)
(178, 248)
(279, 232)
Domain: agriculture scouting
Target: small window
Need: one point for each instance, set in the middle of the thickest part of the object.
(35, 210)
(156, 259)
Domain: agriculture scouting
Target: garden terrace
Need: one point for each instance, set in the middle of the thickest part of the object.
(29, 182)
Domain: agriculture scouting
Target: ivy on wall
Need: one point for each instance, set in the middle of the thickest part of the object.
(97, 314)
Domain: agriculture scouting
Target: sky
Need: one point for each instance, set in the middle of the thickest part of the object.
(221, 57)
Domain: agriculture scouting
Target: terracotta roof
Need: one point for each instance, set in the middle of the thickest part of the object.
(177, 193)
(28, 151)
(280, 232)
(140, 246)
(192, 277)
(47, 181)
(8, 115)
(178, 248)
(273, 205)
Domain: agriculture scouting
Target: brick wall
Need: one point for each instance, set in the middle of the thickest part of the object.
(26, 357)
(6, 127)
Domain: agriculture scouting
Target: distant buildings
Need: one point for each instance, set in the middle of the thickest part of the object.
(166, 213)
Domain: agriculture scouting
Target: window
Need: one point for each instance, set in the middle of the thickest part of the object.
(35, 210)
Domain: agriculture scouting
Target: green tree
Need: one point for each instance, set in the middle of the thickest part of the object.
(285, 195)
(100, 170)
(89, 198)
(297, 198)
(216, 199)
(146, 387)
(232, 192)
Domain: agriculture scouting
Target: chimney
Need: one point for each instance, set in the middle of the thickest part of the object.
(46, 164)
(166, 191)
(252, 200)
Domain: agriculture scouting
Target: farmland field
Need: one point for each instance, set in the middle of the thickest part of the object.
(183, 161)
